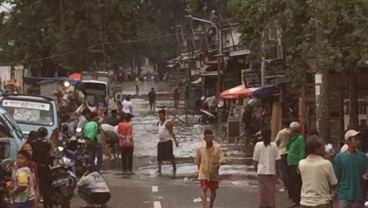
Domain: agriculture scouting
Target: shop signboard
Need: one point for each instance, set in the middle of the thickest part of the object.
(251, 78)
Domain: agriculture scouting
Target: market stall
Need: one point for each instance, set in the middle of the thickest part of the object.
(269, 95)
(234, 120)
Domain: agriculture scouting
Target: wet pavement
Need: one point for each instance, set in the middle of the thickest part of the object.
(188, 135)
(145, 189)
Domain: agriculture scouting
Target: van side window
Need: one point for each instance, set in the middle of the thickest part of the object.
(3, 123)
(15, 127)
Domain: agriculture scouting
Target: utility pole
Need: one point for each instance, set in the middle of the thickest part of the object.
(263, 63)
(219, 55)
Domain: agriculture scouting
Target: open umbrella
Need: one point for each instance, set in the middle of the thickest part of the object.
(237, 92)
(75, 76)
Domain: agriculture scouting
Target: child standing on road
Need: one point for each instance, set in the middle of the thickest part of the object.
(209, 157)
(23, 191)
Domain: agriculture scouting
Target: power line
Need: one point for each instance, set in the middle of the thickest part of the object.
(80, 50)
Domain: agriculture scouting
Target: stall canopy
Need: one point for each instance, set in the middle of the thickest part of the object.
(75, 76)
(266, 91)
(35, 80)
(238, 92)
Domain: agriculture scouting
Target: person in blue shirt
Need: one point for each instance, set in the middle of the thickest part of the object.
(351, 168)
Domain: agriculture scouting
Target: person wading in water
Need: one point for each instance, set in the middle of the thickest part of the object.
(165, 146)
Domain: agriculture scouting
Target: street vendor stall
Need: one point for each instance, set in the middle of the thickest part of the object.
(234, 120)
(270, 96)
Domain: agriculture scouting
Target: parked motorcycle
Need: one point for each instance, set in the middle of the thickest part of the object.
(64, 180)
(82, 157)
(207, 117)
(5, 182)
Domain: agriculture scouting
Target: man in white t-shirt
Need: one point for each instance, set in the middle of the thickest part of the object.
(266, 155)
(127, 105)
(318, 176)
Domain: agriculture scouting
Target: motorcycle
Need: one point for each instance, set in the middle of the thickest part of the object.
(5, 182)
(82, 157)
(206, 117)
(64, 180)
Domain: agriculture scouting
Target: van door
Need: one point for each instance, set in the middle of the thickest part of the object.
(14, 135)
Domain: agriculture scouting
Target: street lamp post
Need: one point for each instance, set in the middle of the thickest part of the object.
(219, 55)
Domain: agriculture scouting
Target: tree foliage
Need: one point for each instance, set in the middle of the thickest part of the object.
(334, 31)
(82, 35)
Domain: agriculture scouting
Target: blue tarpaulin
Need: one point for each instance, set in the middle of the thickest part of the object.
(35, 80)
(266, 91)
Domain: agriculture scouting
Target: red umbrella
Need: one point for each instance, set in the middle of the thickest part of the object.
(237, 92)
(75, 76)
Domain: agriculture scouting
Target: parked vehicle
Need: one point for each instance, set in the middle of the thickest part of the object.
(95, 86)
(5, 182)
(207, 117)
(64, 180)
(82, 158)
(32, 112)
(12, 142)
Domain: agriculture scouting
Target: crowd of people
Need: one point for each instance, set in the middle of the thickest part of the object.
(31, 180)
(312, 178)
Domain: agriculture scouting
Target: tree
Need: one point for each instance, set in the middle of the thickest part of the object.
(334, 30)
(83, 35)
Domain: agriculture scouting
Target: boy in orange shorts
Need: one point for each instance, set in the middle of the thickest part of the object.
(209, 158)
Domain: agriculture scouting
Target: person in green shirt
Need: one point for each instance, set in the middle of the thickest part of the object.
(92, 135)
(351, 168)
(295, 147)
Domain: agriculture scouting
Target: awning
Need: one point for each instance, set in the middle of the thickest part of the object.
(240, 53)
(237, 92)
(209, 73)
(266, 91)
(35, 80)
(198, 81)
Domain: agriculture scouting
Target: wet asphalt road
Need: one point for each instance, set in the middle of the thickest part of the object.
(145, 189)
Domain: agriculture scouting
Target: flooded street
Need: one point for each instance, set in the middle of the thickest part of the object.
(189, 136)
(145, 189)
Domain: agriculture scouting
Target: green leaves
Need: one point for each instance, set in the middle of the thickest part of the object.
(83, 35)
(334, 30)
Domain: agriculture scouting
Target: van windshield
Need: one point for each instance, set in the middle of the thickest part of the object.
(30, 112)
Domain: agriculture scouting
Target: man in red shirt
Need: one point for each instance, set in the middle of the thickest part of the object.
(126, 143)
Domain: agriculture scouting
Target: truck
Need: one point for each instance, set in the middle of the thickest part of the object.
(95, 86)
